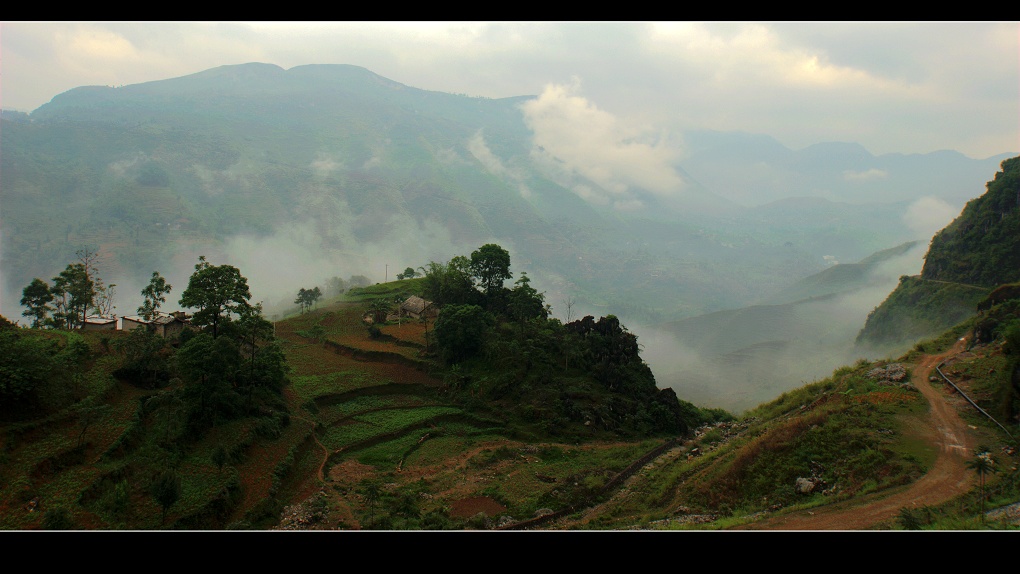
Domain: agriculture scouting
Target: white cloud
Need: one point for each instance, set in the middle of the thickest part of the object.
(323, 165)
(867, 175)
(620, 158)
(928, 215)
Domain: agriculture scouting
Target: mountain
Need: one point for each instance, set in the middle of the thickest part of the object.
(754, 169)
(976, 252)
(331, 170)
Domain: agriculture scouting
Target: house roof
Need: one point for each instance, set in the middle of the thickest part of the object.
(160, 319)
(96, 320)
(415, 304)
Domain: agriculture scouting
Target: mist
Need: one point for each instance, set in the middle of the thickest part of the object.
(766, 350)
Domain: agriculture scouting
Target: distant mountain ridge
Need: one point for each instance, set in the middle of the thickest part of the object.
(755, 169)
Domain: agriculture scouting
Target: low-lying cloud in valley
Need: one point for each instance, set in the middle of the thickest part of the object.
(574, 137)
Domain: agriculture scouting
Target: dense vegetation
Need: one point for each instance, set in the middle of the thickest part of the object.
(408, 431)
(982, 245)
(975, 253)
(180, 389)
(582, 377)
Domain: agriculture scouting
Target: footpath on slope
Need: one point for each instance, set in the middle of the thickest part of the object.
(947, 478)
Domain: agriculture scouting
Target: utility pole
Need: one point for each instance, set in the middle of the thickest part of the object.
(387, 280)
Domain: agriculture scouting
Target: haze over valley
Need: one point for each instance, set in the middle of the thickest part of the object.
(746, 267)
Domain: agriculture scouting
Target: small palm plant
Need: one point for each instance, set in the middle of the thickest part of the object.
(983, 464)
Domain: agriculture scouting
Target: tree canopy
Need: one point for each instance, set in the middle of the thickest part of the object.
(36, 297)
(490, 263)
(155, 295)
(307, 297)
(217, 291)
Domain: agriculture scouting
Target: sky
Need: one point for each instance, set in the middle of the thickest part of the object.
(893, 87)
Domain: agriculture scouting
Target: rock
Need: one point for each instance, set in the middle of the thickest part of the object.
(805, 485)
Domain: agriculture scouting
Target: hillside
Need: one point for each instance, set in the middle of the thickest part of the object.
(370, 436)
(976, 252)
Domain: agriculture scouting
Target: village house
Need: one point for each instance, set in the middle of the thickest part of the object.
(97, 323)
(164, 324)
(414, 306)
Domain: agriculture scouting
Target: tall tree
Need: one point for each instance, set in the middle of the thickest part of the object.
(155, 295)
(983, 464)
(216, 291)
(266, 363)
(102, 301)
(73, 293)
(490, 263)
(526, 302)
(36, 297)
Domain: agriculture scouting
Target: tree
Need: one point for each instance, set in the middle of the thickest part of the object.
(37, 298)
(102, 301)
(302, 299)
(460, 331)
(408, 273)
(73, 294)
(266, 363)
(145, 358)
(27, 362)
(525, 301)
(983, 463)
(216, 291)
(307, 297)
(166, 489)
(155, 295)
(450, 283)
(490, 264)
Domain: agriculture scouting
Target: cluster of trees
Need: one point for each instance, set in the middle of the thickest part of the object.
(503, 346)
(77, 292)
(408, 273)
(229, 362)
(307, 297)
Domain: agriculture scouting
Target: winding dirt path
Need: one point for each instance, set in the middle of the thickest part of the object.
(947, 478)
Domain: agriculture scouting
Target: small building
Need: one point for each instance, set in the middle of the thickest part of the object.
(132, 322)
(97, 323)
(415, 306)
(170, 323)
(164, 324)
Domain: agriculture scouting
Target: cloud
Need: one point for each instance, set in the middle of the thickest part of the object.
(480, 150)
(623, 160)
(928, 215)
(867, 175)
(323, 166)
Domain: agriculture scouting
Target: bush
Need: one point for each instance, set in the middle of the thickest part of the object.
(57, 519)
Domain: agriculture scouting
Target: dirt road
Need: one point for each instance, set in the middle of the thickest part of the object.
(948, 476)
